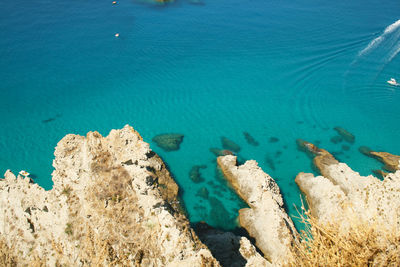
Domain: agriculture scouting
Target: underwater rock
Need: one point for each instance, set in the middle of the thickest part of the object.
(229, 144)
(307, 147)
(220, 217)
(392, 162)
(278, 153)
(229, 249)
(270, 162)
(220, 152)
(345, 147)
(336, 139)
(341, 195)
(365, 150)
(250, 139)
(266, 220)
(273, 139)
(195, 174)
(203, 192)
(347, 136)
(168, 142)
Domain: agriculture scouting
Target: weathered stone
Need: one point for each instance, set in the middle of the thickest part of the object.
(392, 162)
(229, 144)
(347, 136)
(341, 195)
(203, 192)
(168, 142)
(266, 219)
(250, 139)
(100, 205)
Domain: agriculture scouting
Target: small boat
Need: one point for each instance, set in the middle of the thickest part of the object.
(24, 173)
(117, 35)
(393, 82)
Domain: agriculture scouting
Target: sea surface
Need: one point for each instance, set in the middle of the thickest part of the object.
(206, 69)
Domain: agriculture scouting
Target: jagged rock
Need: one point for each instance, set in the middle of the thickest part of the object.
(195, 174)
(250, 139)
(347, 136)
(113, 203)
(168, 142)
(266, 219)
(342, 193)
(392, 162)
(229, 144)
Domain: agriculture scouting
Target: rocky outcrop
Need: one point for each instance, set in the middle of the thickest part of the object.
(392, 162)
(266, 219)
(341, 194)
(113, 203)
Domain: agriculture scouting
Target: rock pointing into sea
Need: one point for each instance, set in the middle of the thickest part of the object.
(113, 203)
(341, 192)
(266, 220)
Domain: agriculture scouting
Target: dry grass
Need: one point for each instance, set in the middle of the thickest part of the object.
(361, 244)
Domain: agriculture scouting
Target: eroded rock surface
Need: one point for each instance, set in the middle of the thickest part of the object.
(340, 191)
(113, 203)
(266, 219)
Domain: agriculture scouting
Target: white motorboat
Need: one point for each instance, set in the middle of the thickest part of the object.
(393, 82)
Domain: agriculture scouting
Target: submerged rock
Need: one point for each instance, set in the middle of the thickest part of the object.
(270, 162)
(168, 142)
(365, 150)
(345, 147)
(250, 139)
(273, 139)
(347, 136)
(336, 139)
(229, 144)
(266, 219)
(203, 192)
(220, 152)
(195, 174)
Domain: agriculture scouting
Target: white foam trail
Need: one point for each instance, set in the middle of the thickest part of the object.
(395, 52)
(374, 43)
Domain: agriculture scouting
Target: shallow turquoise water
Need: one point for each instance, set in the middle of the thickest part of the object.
(285, 69)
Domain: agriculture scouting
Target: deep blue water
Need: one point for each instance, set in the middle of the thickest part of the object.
(284, 69)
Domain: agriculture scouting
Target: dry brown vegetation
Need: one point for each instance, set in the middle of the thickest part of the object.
(362, 244)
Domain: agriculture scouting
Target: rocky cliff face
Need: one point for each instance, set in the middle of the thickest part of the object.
(266, 220)
(340, 191)
(113, 202)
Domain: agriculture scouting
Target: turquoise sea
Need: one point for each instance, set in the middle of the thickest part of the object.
(206, 69)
